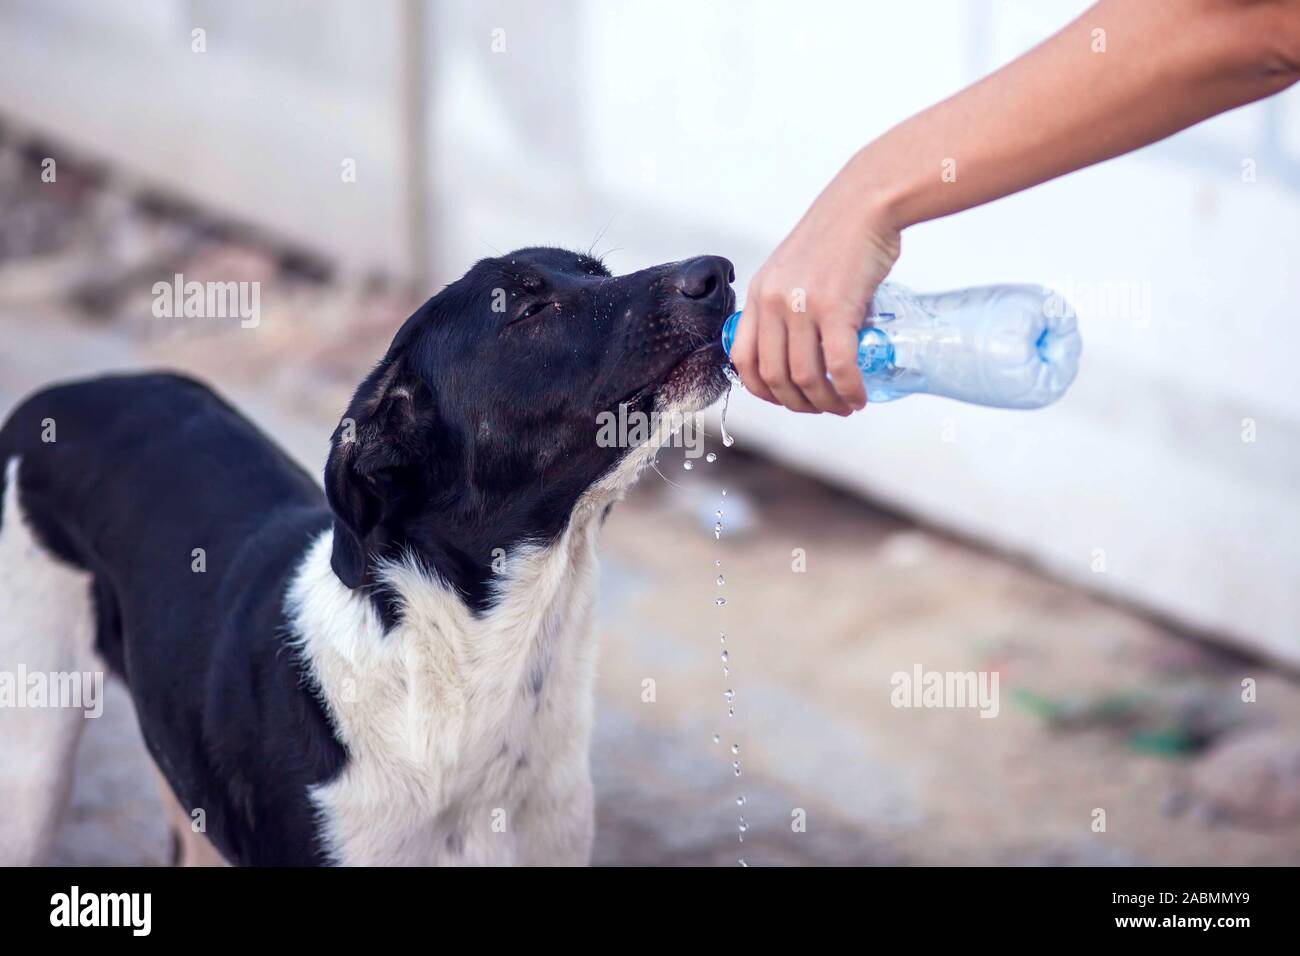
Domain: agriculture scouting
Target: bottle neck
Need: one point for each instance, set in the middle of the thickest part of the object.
(729, 328)
(875, 351)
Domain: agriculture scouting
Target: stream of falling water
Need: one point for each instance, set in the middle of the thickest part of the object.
(729, 695)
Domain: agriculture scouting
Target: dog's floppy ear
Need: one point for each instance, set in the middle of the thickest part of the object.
(385, 432)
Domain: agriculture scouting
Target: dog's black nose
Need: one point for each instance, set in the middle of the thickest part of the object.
(704, 276)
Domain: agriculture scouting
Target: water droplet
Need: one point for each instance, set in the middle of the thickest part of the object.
(726, 671)
(725, 657)
(740, 801)
(735, 748)
(717, 564)
(717, 738)
(736, 767)
(721, 580)
(722, 638)
(731, 712)
(688, 464)
(743, 863)
(726, 403)
(710, 458)
(720, 601)
(729, 694)
(718, 514)
(724, 492)
(744, 827)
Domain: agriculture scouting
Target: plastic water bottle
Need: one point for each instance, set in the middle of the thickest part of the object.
(1008, 346)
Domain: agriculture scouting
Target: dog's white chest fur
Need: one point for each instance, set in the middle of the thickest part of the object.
(467, 737)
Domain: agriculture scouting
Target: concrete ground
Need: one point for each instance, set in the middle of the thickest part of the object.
(1099, 709)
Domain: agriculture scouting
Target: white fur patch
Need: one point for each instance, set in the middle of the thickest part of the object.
(46, 626)
(468, 737)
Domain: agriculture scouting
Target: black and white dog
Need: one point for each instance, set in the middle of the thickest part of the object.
(397, 670)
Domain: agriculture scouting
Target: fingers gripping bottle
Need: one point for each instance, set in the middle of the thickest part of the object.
(1007, 346)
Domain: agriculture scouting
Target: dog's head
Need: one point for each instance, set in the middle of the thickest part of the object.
(481, 426)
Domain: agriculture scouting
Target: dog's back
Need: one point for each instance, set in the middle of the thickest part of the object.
(143, 505)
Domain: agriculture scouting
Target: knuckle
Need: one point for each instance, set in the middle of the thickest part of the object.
(771, 297)
(840, 366)
(805, 379)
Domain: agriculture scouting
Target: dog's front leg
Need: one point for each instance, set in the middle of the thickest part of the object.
(190, 847)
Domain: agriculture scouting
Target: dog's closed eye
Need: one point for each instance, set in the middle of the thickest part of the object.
(531, 311)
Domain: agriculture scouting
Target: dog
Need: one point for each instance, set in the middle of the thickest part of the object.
(397, 668)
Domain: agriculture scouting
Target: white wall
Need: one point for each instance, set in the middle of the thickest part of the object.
(259, 124)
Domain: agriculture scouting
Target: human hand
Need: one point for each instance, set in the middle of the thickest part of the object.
(807, 303)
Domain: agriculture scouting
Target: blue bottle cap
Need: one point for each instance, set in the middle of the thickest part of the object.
(729, 331)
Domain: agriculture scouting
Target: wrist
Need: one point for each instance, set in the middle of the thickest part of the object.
(888, 199)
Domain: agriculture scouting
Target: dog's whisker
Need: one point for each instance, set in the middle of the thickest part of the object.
(655, 465)
(591, 251)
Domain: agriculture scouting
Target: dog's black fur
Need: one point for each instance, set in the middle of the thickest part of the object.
(476, 431)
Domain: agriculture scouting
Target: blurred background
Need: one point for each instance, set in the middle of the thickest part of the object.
(1126, 561)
